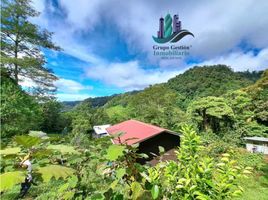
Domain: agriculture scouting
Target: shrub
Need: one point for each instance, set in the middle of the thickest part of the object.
(254, 160)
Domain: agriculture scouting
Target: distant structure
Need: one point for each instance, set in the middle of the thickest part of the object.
(160, 33)
(39, 134)
(100, 131)
(257, 144)
(176, 26)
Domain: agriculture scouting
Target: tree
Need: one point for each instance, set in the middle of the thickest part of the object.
(259, 94)
(158, 105)
(118, 114)
(19, 111)
(211, 112)
(100, 116)
(81, 125)
(54, 120)
(21, 43)
(241, 103)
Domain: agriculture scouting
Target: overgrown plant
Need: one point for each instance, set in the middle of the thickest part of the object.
(126, 171)
(111, 171)
(194, 176)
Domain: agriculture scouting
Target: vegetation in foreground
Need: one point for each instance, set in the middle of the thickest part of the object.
(107, 171)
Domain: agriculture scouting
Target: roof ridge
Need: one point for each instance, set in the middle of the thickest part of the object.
(147, 124)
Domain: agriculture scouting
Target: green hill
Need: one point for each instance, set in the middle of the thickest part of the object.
(210, 81)
(199, 81)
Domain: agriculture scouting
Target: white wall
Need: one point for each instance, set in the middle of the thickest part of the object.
(260, 148)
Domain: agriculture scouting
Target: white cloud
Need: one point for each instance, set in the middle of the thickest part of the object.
(240, 61)
(72, 97)
(70, 86)
(129, 75)
(221, 29)
(218, 26)
(26, 82)
(70, 90)
(65, 30)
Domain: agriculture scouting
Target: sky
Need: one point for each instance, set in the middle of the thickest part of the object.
(108, 46)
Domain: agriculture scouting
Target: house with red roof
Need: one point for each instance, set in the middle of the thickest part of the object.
(149, 137)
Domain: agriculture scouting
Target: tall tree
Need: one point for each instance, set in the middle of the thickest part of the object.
(21, 43)
(19, 111)
(158, 105)
(211, 112)
(54, 120)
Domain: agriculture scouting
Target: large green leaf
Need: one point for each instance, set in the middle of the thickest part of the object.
(137, 190)
(68, 195)
(97, 196)
(64, 149)
(120, 173)
(161, 149)
(10, 151)
(114, 152)
(27, 141)
(155, 191)
(9, 179)
(55, 171)
(42, 153)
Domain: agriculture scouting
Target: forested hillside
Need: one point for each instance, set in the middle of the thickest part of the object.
(210, 81)
(94, 102)
(214, 87)
(195, 82)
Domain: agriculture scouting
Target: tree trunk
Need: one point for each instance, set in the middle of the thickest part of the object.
(205, 120)
(16, 67)
(16, 70)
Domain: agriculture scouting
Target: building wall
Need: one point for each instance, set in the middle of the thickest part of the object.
(259, 147)
(95, 135)
(166, 140)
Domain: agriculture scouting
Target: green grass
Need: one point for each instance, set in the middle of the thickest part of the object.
(256, 186)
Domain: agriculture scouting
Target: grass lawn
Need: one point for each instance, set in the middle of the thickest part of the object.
(256, 186)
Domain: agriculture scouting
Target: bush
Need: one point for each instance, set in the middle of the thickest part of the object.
(196, 176)
(254, 160)
(216, 145)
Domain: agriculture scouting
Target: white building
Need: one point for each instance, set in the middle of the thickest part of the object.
(257, 144)
(100, 131)
(39, 134)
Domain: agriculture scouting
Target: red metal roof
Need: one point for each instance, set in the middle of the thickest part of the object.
(134, 129)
